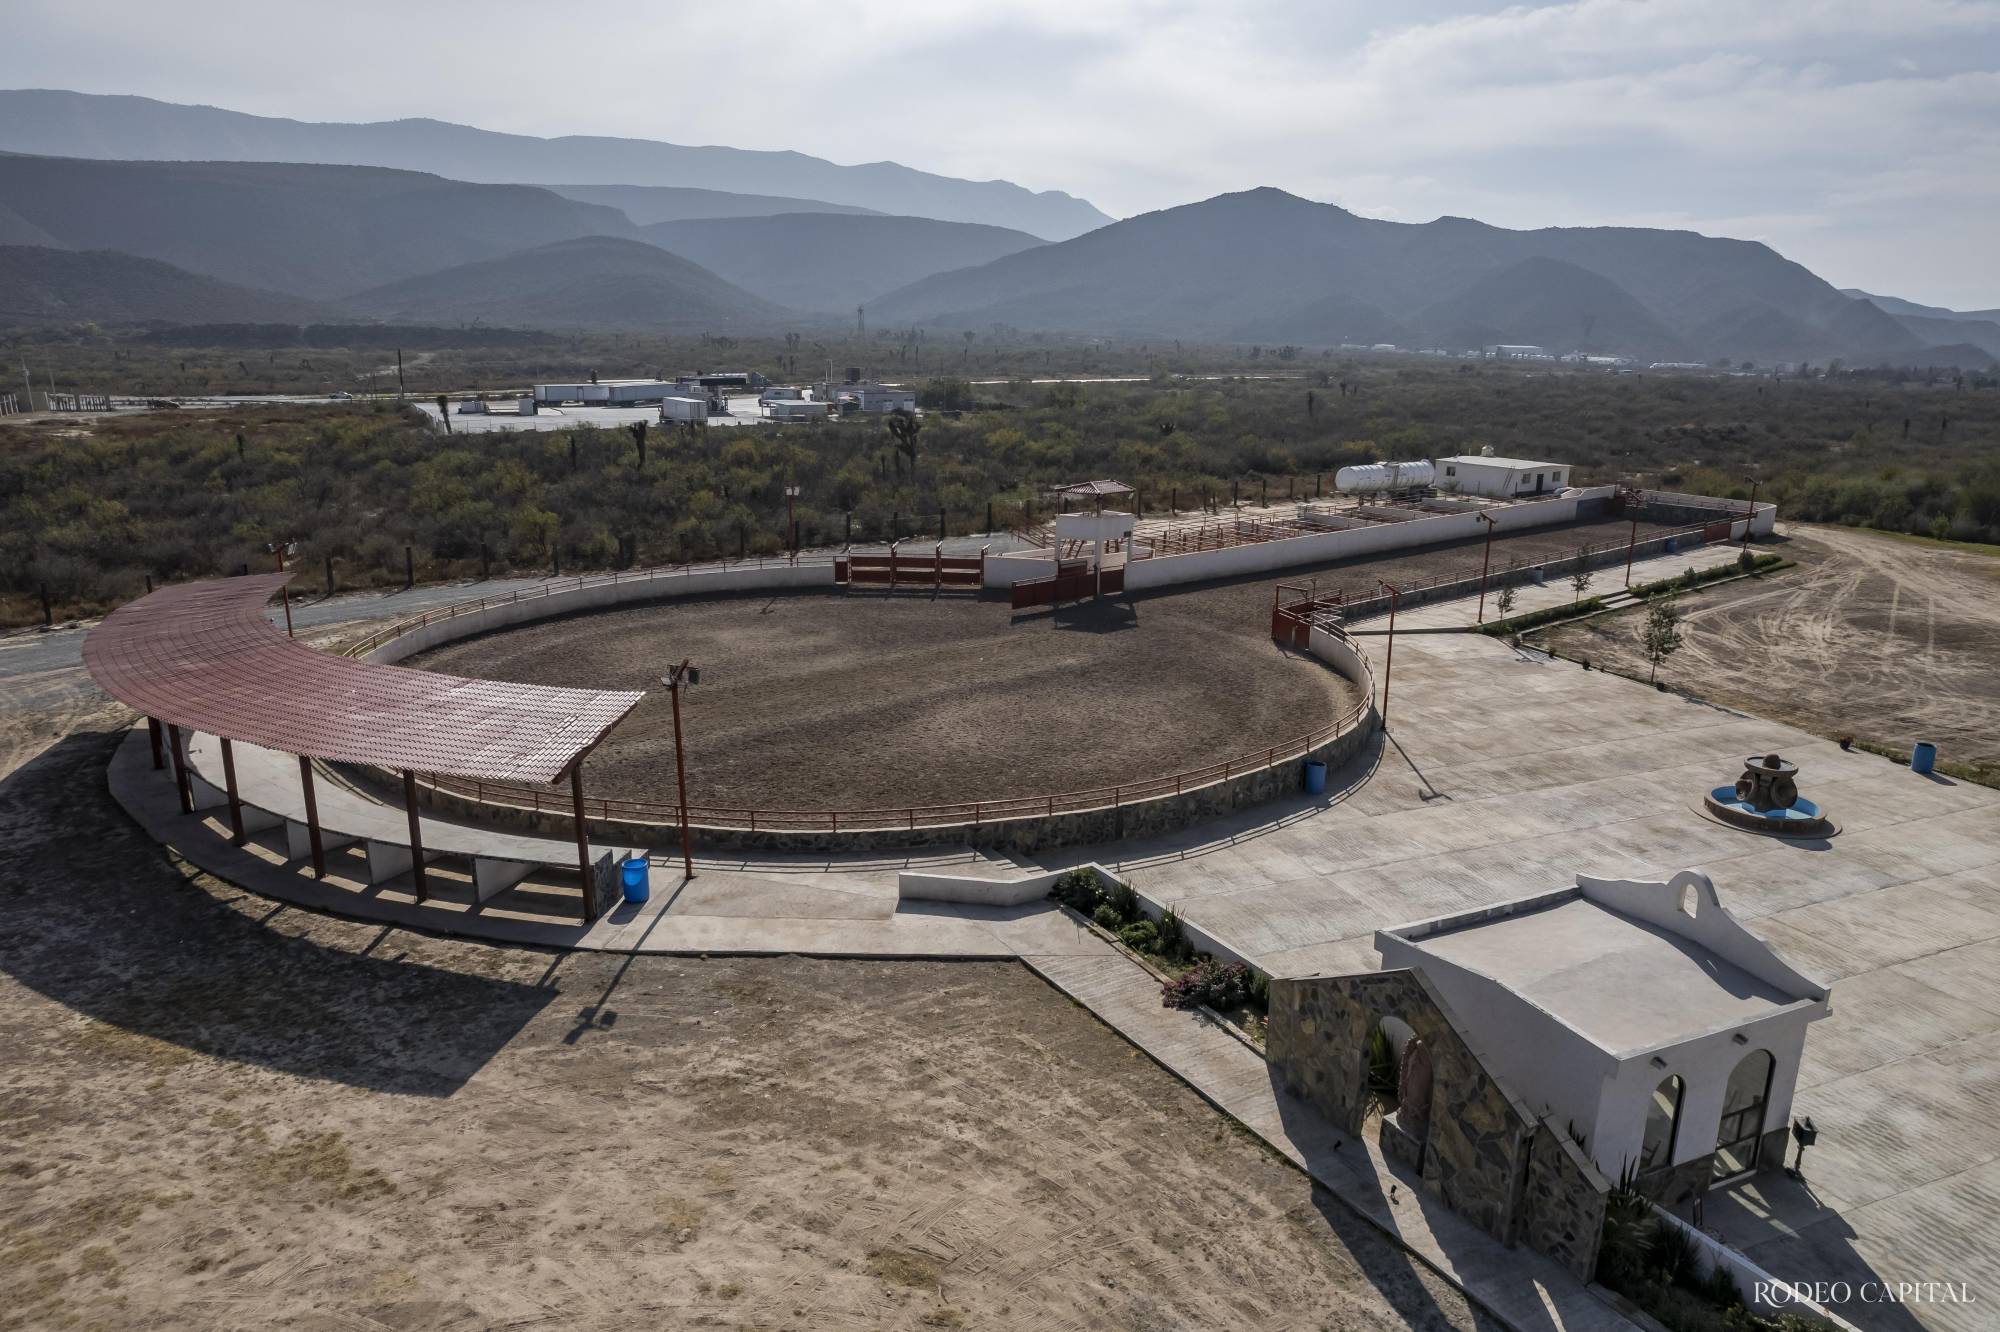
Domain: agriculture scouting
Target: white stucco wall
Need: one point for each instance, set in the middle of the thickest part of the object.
(1346, 543)
(563, 599)
(1605, 1094)
(1553, 1068)
(1704, 1065)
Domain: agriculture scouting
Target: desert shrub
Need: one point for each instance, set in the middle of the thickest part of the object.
(1107, 916)
(1382, 1076)
(1141, 935)
(1079, 890)
(1173, 937)
(1533, 619)
(1657, 1266)
(1124, 899)
(1259, 997)
(1216, 984)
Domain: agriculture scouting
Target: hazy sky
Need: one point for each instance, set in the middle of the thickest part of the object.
(1860, 137)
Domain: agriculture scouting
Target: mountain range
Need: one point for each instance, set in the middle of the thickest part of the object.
(1266, 265)
(55, 123)
(218, 241)
(828, 262)
(588, 282)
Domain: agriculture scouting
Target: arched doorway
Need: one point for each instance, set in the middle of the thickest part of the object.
(1663, 1125)
(1413, 1110)
(1741, 1130)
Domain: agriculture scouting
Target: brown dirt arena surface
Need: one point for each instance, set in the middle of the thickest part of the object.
(1890, 641)
(837, 701)
(217, 1113)
(854, 701)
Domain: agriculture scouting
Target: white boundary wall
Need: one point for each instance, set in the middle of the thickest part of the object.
(1348, 542)
(1750, 1278)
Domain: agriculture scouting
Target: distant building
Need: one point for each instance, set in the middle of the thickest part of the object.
(1511, 351)
(872, 397)
(1500, 478)
(796, 409)
(606, 392)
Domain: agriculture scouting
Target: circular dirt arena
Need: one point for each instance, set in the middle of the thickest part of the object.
(854, 701)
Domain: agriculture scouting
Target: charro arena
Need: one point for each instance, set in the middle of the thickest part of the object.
(1498, 863)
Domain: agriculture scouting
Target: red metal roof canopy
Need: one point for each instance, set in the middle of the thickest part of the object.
(203, 656)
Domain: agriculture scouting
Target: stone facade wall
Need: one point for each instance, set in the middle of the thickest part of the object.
(1483, 1155)
(1562, 1203)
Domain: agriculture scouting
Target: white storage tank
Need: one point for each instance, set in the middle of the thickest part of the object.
(1371, 477)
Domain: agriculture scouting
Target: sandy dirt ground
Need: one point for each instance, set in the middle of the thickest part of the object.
(216, 1112)
(1890, 641)
(865, 700)
(837, 701)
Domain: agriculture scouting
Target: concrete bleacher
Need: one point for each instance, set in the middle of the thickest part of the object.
(268, 786)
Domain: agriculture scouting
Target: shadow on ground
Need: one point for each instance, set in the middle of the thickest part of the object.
(95, 917)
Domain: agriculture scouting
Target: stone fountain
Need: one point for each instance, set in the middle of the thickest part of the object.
(1766, 799)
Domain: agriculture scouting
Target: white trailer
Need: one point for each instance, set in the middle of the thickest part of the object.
(693, 410)
(552, 394)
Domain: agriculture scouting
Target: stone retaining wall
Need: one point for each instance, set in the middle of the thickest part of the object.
(1040, 832)
(1486, 1155)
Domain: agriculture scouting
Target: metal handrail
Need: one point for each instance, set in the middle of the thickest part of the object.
(906, 816)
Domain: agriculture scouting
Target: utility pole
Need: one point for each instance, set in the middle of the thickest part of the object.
(1389, 657)
(1484, 565)
(399, 374)
(687, 672)
(1751, 516)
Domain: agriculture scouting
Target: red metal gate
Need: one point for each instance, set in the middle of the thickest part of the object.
(959, 572)
(1073, 582)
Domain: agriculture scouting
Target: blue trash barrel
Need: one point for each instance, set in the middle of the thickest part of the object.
(633, 879)
(1315, 777)
(1923, 757)
(1673, 544)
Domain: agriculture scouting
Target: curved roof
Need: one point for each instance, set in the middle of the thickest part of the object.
(204, 656)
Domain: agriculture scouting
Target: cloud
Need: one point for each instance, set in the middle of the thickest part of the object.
(1858, 136)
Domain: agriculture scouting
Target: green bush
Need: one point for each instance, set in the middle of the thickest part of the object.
(1696, 577)
(1502, 628)
(1079, 890)
(1174, 944)
(1141, 936)
(1382, 1075)
(1124, 900)
(1107, 916)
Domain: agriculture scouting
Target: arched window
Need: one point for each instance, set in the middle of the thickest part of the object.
(1663, 1122)
(1742, 1126)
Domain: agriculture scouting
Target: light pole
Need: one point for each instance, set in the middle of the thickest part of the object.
(791, 522)
(689, 674)
(1750, 517)
(1631, 545)
(1485, 563)
(1389, 659)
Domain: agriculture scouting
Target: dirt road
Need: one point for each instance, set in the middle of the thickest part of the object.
(1888, 640)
